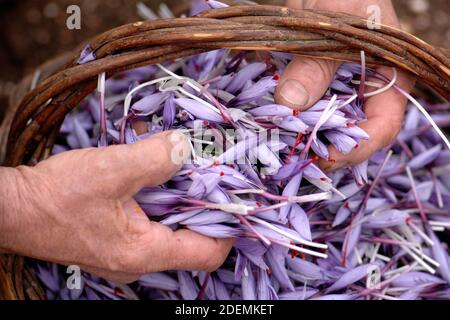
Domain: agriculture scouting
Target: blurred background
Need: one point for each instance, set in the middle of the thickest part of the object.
(33, 31)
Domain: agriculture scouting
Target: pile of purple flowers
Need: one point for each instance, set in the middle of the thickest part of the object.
(373, 231)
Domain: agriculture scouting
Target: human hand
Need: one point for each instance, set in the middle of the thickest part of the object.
(76, 208)
(305, 80)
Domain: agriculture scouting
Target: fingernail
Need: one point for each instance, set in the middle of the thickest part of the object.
(294, 93)
(181, 149)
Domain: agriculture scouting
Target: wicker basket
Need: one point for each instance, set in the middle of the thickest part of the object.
(35, 116)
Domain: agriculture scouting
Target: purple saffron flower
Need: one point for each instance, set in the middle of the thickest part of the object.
(291, 123)
(248, 284)
(215, 230)
(87, 55)
(351, 277)
(169, 112)
(248, 73)
(415, 279)
(188, 288)
(386, 219)
(276, 261)
(299, 221)
(216, 4)
(343, 143)
(254, 92)
(199, 110)
(360, 173)
(425, 158)
(159, 280)
(149, 104)
(271, 110)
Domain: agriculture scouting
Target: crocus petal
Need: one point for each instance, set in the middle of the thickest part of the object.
(290, 123)
(220, 289)
(248, 284)
(254, 92)
(265, 289)
(360, 172)
(415, 279)
(203, 184)
(441, 256)
(276, 262)
(216, 4)
(81, 134)
(199, 110)
(320, 148)
(247, 73)
(238, 151)
(188, 288)
(343, 143)
(169, 112)
(209, 217)
(299, 221)
(425, 158)
(159, 280)
(87, 55)
(342, 214)
(215, 230)
(354, 132)
(308, 270)
(271, 110)
(352, 276)
(314, 175)
(386, 219)
(149, 104)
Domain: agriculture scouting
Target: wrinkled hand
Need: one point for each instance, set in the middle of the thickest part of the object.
(76, 208)
(306, 80)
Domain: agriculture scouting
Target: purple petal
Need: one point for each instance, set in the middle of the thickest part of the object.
(87, 55)
(271, 110)
(199, 110)
(343, 143)
(415, 279)
(308, 270)
(210, 217)
(254, 92)
(220, 289)
(351, 277)
(291, 123)
(441, 256)
(215, 230)
(188, 288)
(386, 219)
(300, 222)
(249, 72)
(425, 158)
(248, 284)
(169, 112)
(159, 280)
(360, 172)
(264, 288)
(150, 104)
(276, 262)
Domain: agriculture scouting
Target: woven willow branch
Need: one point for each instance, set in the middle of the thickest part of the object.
(311, 33)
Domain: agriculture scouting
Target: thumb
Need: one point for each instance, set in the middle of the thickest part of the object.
(146, 163)
(304, 82)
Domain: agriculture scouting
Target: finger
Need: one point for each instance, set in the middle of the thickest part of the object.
(380, 133)
(160, 249)
(304, 82)
(193, 251)
(385, 113)
(122, 170)
(116, 276)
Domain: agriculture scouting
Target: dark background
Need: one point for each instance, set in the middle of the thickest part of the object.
(33, 31)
